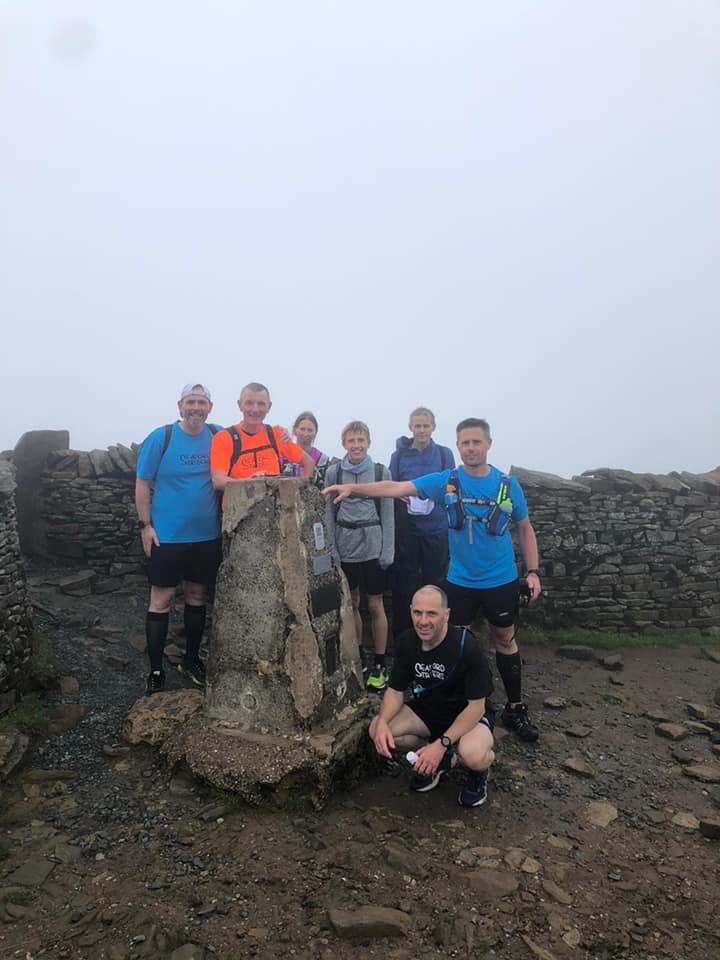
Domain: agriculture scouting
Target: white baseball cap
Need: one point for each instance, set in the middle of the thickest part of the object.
(195, 390)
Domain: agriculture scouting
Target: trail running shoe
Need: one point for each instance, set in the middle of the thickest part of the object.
(474, 790)
(194, 672)
(377, 678)
(518, 720)
(155, 683)
(422, 783)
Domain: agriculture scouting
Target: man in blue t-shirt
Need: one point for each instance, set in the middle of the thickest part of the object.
(482, 578)
(180, 528)
(421, 527)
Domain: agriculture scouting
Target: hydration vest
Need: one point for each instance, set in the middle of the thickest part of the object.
(498, 519)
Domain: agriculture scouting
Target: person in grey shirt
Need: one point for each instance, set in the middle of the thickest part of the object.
(362, 534)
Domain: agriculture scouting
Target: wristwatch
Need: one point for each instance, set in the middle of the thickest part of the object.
(535, 571)
(144, 523)
(446, 741)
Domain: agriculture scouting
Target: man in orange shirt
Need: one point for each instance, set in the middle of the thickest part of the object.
(250, 448)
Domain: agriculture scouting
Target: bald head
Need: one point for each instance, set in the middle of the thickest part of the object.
(432, 592)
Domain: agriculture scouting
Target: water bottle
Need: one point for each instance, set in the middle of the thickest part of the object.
(454, 508)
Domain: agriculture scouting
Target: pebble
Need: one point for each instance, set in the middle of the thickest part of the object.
(579, 766)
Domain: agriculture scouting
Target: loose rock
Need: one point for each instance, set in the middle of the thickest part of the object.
(613, 662)
(705, 772)
(710, 827)
(369, 922)
(576, 652)
(672, 731)
(579, 766)
(686, 820)
(579, 732)
(556, 892)
(601, 814)
(492, 883)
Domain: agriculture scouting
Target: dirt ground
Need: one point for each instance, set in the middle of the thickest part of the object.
(108, 854)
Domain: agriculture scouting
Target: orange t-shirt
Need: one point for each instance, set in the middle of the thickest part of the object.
(257, 454)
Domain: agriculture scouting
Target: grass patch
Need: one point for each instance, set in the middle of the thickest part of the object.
(610, 640)
(43, 663)
(29, 716)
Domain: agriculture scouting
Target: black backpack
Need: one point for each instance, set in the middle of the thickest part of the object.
(237, 446)
(168, 434)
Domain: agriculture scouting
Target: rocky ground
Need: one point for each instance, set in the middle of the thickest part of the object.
(598, 842)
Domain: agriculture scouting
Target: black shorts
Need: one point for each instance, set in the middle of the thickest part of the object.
(368, 574)
(498, 605)
(172, 562)
(437, 721)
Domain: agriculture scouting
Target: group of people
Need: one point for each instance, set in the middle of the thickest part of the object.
(444, 531)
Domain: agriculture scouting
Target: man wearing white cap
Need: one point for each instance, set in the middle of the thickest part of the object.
(180, 528)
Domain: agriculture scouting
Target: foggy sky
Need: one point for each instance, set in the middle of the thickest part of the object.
(508, 211)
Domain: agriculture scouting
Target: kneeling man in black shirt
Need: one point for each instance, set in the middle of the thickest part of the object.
(450, 680)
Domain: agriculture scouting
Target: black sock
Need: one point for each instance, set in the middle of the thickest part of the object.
(194, 618)
(156, 628)
(379, 659)
(510, 670)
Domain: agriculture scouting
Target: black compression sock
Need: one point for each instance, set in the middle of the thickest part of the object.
(156, 628)
(379, 659)
(510, 670)
(194, 618)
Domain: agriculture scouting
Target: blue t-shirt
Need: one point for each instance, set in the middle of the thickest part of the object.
(184, 504)
(477, 559)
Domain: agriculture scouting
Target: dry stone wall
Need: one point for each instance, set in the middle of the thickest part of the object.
(15, 614)
(625, 551)
(87, 505)
(619, 550)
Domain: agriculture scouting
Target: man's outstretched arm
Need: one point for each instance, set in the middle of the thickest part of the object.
(378, 488)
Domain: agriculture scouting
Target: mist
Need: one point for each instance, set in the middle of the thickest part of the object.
(506, 212)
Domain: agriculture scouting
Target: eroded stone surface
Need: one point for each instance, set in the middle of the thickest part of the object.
(283, 654)
(153, 719)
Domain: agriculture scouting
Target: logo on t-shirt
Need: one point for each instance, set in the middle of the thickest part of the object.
(430, 671)
(195, 459)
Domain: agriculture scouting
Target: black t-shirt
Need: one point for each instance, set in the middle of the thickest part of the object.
(446, 677)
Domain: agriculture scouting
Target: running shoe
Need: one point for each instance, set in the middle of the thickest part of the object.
(474, 790)
(194, 672)
(377, 678)
(422, 783)
(155, 683)
(518, 721)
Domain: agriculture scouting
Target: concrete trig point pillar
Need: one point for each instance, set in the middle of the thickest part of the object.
(284, 654)
(285, 701)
